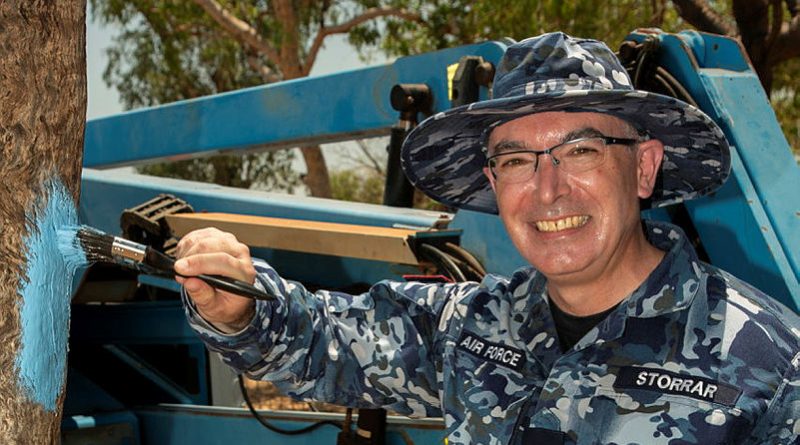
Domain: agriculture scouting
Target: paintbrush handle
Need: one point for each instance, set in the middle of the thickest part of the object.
(166, 264)
(235, 286)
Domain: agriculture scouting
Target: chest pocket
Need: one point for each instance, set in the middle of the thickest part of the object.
(646, 416)
(492, 392)
(487, 387)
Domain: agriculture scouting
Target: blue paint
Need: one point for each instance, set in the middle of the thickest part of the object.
(70, 247)
(46, 290)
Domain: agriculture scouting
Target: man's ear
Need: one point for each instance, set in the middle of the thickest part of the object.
(648, 155)
(489, 176)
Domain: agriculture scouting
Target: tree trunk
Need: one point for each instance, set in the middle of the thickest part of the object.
(42, 116)
(317, 179)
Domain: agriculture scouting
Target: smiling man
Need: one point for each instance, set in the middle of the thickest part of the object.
(573, 210)
(617, 333)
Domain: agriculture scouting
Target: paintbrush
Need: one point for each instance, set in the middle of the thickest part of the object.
(86, 245)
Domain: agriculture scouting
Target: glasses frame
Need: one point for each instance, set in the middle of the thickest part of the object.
(607, 140)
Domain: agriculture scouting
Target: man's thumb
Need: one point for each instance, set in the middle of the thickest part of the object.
(201, 293)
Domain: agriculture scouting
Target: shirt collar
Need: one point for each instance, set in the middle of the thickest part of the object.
(673, 284)
(670, 287)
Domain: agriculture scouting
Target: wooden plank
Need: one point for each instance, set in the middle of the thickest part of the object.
(345, 240)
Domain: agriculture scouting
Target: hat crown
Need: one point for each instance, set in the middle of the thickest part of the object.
(558, 62)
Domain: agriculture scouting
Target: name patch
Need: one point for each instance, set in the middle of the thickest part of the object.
(497, 353)
(659, 380)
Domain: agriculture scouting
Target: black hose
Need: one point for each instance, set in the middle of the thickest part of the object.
(680, 91)
(648, 75)
(444, 261)
(468, 257)
(274, 428)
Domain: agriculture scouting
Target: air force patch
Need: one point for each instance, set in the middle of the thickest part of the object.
(497, 353)
(659, 380)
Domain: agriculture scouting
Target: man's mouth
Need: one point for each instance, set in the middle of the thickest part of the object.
(557, 225)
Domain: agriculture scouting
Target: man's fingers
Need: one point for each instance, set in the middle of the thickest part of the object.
(211, 251)
(216, 264)
(211, 240)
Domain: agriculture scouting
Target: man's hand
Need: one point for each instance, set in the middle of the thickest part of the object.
(214, 252)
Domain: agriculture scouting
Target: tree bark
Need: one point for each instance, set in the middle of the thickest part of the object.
(700, 15)
(42, 116)
(317, 179)
(753, 19)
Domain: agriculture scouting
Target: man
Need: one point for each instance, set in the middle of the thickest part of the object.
(617, 334)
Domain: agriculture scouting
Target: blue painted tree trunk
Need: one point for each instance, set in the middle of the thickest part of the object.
(42, 116)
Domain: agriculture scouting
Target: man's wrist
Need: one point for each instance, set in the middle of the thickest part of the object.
(239, 324)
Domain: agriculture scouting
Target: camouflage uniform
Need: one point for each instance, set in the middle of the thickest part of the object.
(692, 356)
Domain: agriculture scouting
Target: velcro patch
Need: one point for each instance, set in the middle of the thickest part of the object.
(659, 380)
(497, 353)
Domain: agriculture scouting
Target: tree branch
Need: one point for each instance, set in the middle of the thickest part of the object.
(375, 164)
(752, 17)
(267, 75)
(290, 46)
(787, 45)
(776, 23)
(659, 7)
(791, 5)
(342, 28)
(238, 29)
(700, 15)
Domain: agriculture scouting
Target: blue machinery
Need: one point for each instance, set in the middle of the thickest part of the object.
(139, 376)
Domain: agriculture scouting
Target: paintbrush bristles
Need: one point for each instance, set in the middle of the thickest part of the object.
(70, 248)
(96, 245)
(83, 245)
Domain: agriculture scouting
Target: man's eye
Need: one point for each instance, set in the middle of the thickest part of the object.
(513, 161)
(582, 151)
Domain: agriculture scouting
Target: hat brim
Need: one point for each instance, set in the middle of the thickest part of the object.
(444, 156)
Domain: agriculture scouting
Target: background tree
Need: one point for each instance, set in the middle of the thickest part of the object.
(170, 50)
(42, 115)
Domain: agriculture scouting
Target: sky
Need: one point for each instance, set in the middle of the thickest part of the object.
(102, 100)
(337, 55)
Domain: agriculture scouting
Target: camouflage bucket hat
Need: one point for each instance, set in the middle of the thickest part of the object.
(445, 155)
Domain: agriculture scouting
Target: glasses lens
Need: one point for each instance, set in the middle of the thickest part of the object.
(572, 157)
(580, 156)
(513, 167)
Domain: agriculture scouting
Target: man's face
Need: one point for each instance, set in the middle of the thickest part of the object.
(575, 226)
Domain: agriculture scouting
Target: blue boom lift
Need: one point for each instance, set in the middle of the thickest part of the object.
(138, 375)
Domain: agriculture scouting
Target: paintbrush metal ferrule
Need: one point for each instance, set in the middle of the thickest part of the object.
(128, 250)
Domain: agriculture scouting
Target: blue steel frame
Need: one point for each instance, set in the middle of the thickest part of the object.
(319, 109)
(751, 227)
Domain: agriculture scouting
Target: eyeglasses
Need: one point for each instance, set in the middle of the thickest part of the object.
(575, 156)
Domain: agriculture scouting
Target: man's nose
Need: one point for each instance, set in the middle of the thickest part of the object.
(549, 181)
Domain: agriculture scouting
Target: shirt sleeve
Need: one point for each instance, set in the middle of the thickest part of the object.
(781, 422)
(382, 348)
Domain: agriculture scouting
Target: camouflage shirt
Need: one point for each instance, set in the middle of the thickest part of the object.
(693, 356)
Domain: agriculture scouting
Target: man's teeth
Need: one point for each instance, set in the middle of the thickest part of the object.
(562, 224)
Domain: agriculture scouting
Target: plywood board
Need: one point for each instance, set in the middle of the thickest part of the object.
(346, 240)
